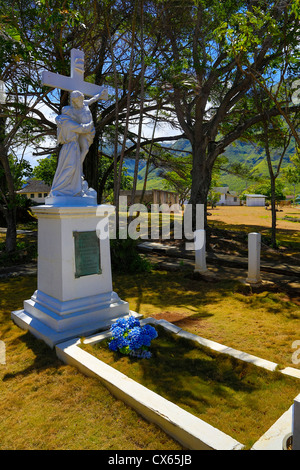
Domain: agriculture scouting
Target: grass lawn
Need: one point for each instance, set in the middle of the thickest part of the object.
(264, 324)
(256, 216)
(238, 398)
(47, 405)
(258, 219)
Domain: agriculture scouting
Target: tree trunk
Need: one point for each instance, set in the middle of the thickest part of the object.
(201, 179)
(103, 180)
(142, 98)
(273, 210)
(11, 233)
(7, 195)
(145, 179)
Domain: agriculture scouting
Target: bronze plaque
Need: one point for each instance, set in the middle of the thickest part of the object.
(87, 254)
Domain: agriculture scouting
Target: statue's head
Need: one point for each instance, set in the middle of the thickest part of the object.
(77, 99)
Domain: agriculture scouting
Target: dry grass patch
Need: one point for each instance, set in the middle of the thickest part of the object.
(255, 216)
(264, 324)
(242, 219)
(47, 405)
(238, 398)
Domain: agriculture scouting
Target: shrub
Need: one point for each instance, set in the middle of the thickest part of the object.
(125, 257)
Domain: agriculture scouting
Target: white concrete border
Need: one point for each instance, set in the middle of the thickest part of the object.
(187, 429)
(274, 436)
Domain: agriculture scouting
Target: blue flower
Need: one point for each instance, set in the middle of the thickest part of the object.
(122, 342)
(117, 331)
(145, 354)
(141, 354)
(135, 338)
(129, 337)
(132, 322)
(120, 322)
(113, 345)
(146, 340)
(150, 331)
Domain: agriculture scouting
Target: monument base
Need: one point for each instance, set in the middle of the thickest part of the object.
(74, 295)
(52, 337)
(254, 281)
(66, 201)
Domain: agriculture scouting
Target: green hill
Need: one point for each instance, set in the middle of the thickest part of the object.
(254, 158)
(238, 152)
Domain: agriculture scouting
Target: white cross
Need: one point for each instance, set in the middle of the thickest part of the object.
(76, 80)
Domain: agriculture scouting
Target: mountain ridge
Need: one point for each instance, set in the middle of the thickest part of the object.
(240, 152)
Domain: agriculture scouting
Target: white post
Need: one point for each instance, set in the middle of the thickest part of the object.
(200, 253)
(188, 223)
(296, 423)
(254, 246)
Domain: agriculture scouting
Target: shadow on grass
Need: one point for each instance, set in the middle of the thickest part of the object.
(272, 303)
(44, 357)
(169, 289)
(197, 378)
(177, 359)
(288, 237)
(173, 296)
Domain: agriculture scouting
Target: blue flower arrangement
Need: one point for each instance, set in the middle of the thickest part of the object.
(130, 338)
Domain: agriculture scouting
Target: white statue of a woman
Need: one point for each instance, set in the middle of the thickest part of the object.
(75, 132)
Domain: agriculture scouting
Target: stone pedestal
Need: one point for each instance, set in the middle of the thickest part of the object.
(74, 295)
(254, 247)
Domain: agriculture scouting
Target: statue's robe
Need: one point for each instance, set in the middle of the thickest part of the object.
(68, 176)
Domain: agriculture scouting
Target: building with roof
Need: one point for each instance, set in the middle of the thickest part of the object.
(227, 198)
(36, 190)
(154, 196)
(255, 200)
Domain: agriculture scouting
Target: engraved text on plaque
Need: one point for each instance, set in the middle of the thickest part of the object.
(87, 254)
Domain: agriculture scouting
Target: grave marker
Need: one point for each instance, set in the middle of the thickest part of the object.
(254, 247)
(200, 251)
(74, 295)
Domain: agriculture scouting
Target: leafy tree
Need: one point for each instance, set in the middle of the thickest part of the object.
(213, 198)
(275, 136)
(291, 174)
(15, 118)
(241, 170)
(174, 167)
(18, 170)
(45, 170)
(111, 34)
(125, 182)
(200, 73)
(266, 189)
